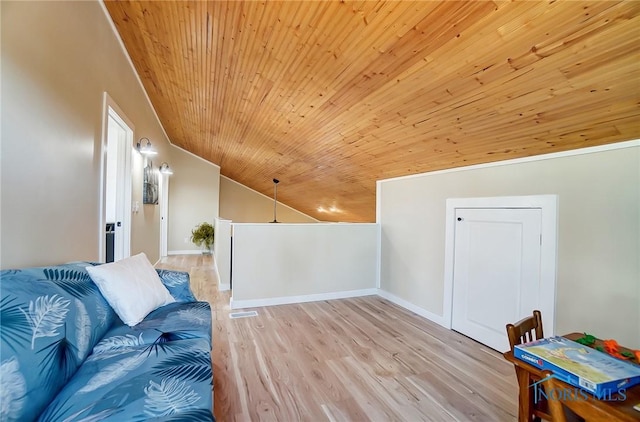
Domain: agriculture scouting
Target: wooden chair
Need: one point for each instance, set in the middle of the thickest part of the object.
(524, 331)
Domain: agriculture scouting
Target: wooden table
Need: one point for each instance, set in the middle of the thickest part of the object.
(599, 410)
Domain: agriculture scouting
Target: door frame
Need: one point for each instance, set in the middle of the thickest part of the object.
(164, 214)
(111, 109)
(548, 204)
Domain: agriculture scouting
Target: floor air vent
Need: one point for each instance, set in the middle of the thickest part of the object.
(245, 314)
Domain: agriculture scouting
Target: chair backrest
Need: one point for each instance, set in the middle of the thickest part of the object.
(523, 331)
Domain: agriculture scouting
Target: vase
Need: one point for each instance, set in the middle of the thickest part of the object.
(206, 250)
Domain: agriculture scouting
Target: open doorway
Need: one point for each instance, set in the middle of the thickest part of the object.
(115, 221)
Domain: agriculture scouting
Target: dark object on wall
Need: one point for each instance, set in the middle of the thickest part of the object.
(111, 232)
(150, 185)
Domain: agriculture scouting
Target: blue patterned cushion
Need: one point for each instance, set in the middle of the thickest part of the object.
(175, 321)
(161, 381)
(51, 318)
(177, 282)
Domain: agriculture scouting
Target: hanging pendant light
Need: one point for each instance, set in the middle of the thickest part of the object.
(275, 199)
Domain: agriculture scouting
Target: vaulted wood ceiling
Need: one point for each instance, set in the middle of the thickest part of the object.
(331, 96)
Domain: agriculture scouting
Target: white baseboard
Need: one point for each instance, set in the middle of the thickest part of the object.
(241, 304)
(438, 319)
(186, 252)
(287, 300)
(223, 287)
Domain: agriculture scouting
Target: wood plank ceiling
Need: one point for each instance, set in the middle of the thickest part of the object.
(331, 96)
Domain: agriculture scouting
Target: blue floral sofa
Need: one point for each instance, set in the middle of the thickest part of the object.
(66, 356)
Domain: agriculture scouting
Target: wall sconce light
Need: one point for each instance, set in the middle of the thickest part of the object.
(145, 148)
(165, 169)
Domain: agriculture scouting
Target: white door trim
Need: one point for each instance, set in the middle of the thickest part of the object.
(111, 109)
(164, 214)
(548, 258)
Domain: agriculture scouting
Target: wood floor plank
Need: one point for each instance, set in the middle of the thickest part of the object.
(359, 359)
(344, 411)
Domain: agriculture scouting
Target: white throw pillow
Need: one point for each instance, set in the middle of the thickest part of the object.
(132, 287)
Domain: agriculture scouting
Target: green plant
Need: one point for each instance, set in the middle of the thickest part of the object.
(202, 234)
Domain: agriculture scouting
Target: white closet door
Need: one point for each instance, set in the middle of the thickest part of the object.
(496, 277)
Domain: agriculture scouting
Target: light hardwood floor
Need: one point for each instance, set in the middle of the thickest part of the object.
(361, 359)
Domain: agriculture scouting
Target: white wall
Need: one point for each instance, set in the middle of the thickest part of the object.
(193, 198)
(58, 58)
(287, 263)
(222, 252)
(598, 280)
(245, 205)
